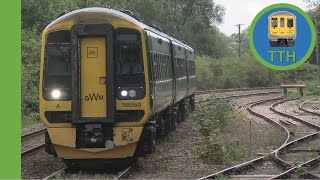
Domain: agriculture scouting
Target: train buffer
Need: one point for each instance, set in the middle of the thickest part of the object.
(286, 86)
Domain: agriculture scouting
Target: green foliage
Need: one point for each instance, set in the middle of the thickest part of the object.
(31, 48)
(38, 13)
(302, 171)
(312, 89)
(230, 72)
(214, 120)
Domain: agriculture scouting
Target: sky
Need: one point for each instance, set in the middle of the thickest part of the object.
(244, 11)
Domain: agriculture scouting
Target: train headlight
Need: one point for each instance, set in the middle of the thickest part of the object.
(132, 93)
(56, 94)
(124, 93)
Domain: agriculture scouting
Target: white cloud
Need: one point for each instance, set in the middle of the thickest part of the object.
(243, 11)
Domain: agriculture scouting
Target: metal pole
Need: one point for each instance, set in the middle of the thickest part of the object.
(239, 42)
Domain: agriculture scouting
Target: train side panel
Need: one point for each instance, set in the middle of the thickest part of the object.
(161, 70)
(180, 65)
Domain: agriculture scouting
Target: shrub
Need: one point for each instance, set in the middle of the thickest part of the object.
(31, 49)
(230, 72)
(214, 120)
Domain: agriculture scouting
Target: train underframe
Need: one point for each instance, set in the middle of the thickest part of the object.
(282, 42)
(159, 126)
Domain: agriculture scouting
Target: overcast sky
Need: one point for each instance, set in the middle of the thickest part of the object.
(243, 12)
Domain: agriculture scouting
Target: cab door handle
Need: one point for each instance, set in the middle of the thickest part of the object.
(102, 80)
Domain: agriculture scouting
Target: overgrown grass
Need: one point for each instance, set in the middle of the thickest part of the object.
(229, 136)
(215, 120)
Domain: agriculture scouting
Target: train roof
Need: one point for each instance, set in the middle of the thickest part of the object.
(282, 13)
(121, 15)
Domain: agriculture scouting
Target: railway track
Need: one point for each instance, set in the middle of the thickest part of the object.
(234, 89)
(239, 96)
(36, 148)
(307, 110)
(120, 175)
(278, 154)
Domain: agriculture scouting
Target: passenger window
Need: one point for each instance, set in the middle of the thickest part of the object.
(281, 22)
(274, 22)
(290, 22)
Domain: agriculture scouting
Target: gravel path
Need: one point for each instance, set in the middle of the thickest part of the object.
(173, 158)
(39, 165)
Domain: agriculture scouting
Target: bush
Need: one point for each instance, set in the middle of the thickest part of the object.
(233, 72)
(215, 120)
(31, 49)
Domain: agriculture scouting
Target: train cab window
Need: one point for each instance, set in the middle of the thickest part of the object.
(274, 22)
(290, 22)
(128, 57)
(281, 22)
(57, 67)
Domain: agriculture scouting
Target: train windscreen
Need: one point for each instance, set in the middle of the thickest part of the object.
(57, 68)
(274, 22)
(128, 57)
(290, 22)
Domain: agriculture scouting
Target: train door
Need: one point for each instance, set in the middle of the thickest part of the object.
(93, 77)
(283, 25)
(93, 92)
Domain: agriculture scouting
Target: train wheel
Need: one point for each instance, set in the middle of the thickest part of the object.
(160, 128)
(150, 144)
(183, 112)
(192, 103)
(174, 120)
(179, 119)
(167, 125)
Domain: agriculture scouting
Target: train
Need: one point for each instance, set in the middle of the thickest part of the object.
(282, 29)
(111, 85)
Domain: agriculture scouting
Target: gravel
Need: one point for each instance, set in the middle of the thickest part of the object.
(32, 128)
(210, 95)
(39, 165)
(32, 142)
(267, 167)
(173, 158)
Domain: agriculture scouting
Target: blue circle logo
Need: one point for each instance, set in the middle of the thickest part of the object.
(282, 36)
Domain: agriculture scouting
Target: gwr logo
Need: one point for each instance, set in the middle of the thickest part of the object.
(93, 97)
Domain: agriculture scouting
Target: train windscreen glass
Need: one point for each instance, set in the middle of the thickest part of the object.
(290, 22)
(57, 68)
(128, 56)
(274, 22)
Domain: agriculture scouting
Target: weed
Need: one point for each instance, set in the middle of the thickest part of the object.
(269, 157)
(302, 171)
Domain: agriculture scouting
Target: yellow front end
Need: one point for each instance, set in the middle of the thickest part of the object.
(282, 26)
(93, 93)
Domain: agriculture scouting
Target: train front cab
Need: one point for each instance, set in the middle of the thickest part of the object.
(282, 29)
(94, 104)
